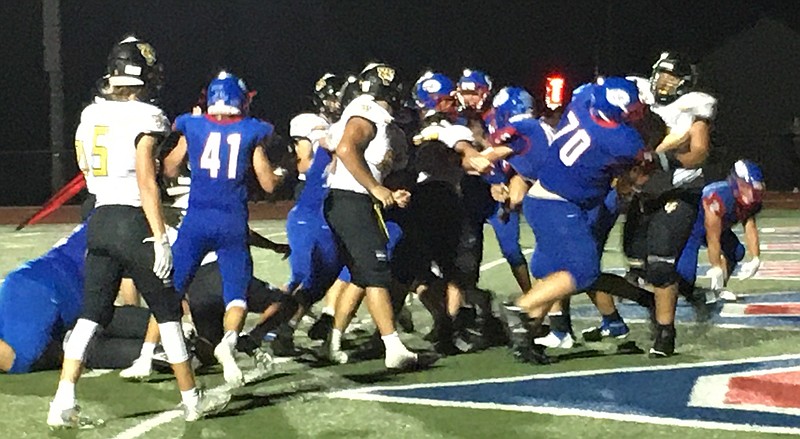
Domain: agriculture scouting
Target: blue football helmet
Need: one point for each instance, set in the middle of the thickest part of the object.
(227, 95)
(616, 99)
(477, 85)
(433, 93)
(747, 182)
(508, 103)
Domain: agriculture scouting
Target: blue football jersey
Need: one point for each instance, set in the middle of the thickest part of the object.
(530, 146)
(316, 187)
(220, 155)
(586, 154)
(719, 198)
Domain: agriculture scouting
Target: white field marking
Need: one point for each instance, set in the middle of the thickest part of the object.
(94, 373)
(711, 391)
(25, 234)
(500, 261)
(275, 235)
(365, 394)
(170, 415)
(556, 411)
(145, 426)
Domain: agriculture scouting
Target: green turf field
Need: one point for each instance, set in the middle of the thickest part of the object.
(297, 399)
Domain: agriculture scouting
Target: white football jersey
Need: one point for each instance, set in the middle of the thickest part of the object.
(679, 115)
(312, 127)
(309, 126)
(106, 146)
(446, 133)
(378, 153)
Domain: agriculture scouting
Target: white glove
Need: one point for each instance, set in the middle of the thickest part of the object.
(188, 329)
(717, 275)
(163, 265)
(749, 269)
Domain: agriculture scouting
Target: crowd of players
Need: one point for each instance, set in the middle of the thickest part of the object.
(394, 193)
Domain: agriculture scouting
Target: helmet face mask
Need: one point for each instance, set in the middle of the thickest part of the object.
(227, 95)
(747, 182)
(666, 86)
(473, 90)
(673, 76)
(434, 95)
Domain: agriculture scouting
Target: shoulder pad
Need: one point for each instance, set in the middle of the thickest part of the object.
(303, 125)
(365, 106)
(153, 119)
(700, 105)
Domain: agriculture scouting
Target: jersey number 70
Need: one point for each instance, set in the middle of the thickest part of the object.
(210, 157)
(577, 143)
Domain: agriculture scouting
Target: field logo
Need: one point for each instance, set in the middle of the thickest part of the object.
(758, 394)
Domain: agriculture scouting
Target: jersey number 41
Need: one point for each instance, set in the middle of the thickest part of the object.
(210, 157)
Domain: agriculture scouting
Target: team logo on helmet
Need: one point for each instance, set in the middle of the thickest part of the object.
(148, 53)
(432, 86)
(386, 74)
(618, 98)
(500, 98)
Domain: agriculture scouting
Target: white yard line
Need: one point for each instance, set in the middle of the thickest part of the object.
(500, 261)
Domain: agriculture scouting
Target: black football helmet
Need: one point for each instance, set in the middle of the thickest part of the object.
(673, 76)
(133, 62)
(328, 95)
(379, 81)
(349, 91)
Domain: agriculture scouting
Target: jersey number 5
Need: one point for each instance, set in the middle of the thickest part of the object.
(210, 157)
(97, 163)
(578, 142)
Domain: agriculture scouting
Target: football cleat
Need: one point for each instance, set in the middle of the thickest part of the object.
(728, 296)
(533, 354)
(208, 403)
(515, 326)
(556, 339)
(60, 418)
(617, 329)
(141, 369)
(262, 360)
(230, 370)
(321, 328)
(664, 345)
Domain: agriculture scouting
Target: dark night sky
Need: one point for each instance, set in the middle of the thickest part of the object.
(281, 47)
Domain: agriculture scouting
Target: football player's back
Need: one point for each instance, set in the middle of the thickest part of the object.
(588, 149)
(220, 155)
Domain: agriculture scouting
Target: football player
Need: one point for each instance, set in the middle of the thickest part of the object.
(660, 218)
(117, 140)
(736, 199)
(353, 207)
(221, 146)
(595, 143)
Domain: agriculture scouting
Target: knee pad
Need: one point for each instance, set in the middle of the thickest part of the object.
(173, 343)
(82, 334)
(661, 271)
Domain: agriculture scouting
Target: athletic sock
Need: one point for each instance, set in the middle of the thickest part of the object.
(65, 395)
(190, 397)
